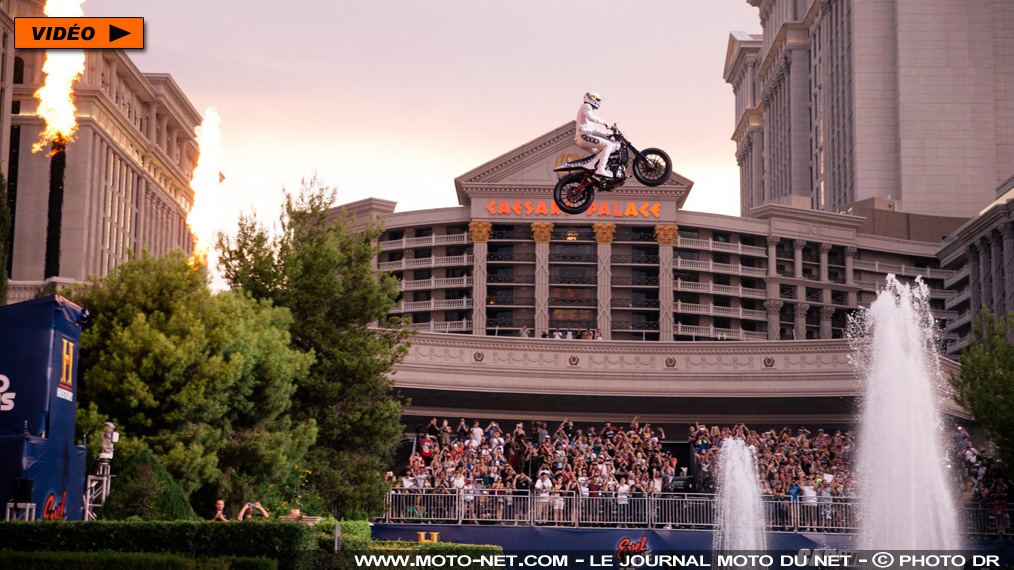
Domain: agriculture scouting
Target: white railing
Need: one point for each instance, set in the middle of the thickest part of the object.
(902, 269)
(424, 241)
(711, 266)
(959, 344)
(962, 319)
(711, 245)
(956, 276)
(731, 290)
(443, 326)
(436, 283)
(587, 508)
(734, 312)
(719, 333)
(432, 305)
(958, 298)
(444, 261)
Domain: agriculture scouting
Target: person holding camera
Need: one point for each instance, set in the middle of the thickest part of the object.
(250, 510)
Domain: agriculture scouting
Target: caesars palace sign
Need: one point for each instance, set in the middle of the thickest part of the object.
(540, 208)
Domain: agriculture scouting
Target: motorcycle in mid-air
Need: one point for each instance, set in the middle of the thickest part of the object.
(575, 191)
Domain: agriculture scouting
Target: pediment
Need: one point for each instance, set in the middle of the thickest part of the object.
(531, 166)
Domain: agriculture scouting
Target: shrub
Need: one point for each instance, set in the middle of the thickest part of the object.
(126, 561)
(145, 489)
(272, 539)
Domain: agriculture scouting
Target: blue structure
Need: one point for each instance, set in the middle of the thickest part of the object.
(39, 343)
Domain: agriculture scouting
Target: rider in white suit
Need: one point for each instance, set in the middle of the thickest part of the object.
(589, 137)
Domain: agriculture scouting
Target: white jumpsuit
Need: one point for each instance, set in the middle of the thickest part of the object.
(589, 137)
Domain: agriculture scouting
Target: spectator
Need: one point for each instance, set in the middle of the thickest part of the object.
(524, 331)
(251, 510)
(220, 515)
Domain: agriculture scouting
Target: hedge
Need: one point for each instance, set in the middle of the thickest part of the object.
(106, 560)
(279, 540)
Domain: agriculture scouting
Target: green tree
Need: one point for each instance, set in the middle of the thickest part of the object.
(321, 269)
(985, 385)
(6, 238)
(143, 488)
(204, 380)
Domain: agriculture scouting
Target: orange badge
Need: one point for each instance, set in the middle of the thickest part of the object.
(79, 33)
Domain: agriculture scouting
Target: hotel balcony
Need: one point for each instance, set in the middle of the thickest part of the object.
(443, 326)
(426, 241)
(446, 261)
(907, 270)
(436, 283)
(725, 247)
(432, 305)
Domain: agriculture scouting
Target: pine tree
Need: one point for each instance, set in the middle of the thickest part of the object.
(322, 271)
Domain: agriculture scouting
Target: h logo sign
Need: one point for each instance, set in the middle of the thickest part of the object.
(434, 537)
(67, 375)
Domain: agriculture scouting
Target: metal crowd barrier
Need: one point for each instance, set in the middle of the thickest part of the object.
(656, 510)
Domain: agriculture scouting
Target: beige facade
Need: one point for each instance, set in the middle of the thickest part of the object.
(759, 383)
(842, 101)
(127, 175)
(637, 266)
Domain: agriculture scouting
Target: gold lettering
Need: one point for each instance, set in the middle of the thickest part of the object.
(491, 207)
(657, 210)
(540, 209)
(67, 375)
(631, 210)
(504, 208)
(434, 537)
(604, 209)
(528, 208)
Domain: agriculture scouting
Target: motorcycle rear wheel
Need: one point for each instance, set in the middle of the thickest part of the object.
(654, 169)
(574, 193)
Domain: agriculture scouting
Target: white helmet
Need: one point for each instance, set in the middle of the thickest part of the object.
(593, 99)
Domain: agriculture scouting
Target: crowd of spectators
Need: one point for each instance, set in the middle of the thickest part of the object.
(629, 462)
(978, 476)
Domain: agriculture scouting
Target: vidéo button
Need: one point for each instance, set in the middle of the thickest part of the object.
(79, 33)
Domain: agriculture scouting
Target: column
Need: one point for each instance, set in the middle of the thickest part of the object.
(996, 269)
(162, 138)
(774, 308)
(825, 321)
(604, 239)
(542, 232)
(824, 248)
(480, 232)
(666, 237)
(1007, 233)
(974, 296)
(850, 253)
(152, 120)
(797, 257)
(773, 256)
(984, 264)
(800, 330)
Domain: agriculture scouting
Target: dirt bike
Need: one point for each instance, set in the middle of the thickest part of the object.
(575, 192)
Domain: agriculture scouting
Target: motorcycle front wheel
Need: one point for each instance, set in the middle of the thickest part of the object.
(574, 193)
(652, 167)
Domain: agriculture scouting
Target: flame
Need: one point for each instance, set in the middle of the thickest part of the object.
(62, 68)
(204, 183)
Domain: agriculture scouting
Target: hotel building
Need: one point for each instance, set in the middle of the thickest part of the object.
(895, 104)
(766, 299)
(127, 179)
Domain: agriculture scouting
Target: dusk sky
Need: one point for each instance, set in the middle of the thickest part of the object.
(395, 99)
